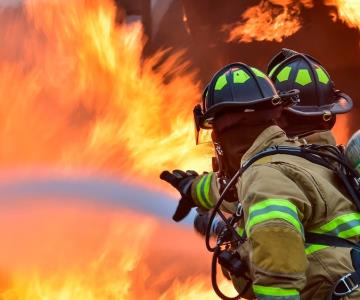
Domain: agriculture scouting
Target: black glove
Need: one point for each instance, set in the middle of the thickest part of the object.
(182, 182)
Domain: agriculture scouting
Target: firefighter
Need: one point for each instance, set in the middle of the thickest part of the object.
(290, 69)
(282, 196)
(313, 126)
(310, 120)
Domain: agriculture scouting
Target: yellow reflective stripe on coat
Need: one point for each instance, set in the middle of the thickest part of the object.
(240, 231)
(309, 249)
(273, 209)
(203, 191)
(344, 226)
(275, 293)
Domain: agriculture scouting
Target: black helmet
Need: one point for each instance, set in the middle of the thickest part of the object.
(318, 97)
(241, 87)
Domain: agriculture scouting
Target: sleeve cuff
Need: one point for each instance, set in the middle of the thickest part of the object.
(201, 191)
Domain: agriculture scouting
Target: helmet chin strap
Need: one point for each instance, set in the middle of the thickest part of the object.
(225, 170)
(223, 164)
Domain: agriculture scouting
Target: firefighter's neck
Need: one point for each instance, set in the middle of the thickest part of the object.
(236, 141)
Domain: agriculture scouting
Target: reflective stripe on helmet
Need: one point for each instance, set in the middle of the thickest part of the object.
(303, 77)
(240, 76)
(273, 70)
(221, 82)
(238, 86)
(284, 74)
(258, 73)
(322, 76)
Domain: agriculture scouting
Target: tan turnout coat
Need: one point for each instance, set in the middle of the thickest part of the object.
(283, 196)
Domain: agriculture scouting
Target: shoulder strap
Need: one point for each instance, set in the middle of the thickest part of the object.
(329, 240)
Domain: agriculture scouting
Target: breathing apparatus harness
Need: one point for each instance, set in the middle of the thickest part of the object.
(224, 252)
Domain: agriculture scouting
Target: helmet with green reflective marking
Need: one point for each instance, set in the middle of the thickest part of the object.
(318, 97)
(238, 87)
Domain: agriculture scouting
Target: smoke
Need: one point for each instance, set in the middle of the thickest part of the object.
(106, 191)
(10, 2)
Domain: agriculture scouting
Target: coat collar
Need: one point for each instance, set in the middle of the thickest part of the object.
(271, 136)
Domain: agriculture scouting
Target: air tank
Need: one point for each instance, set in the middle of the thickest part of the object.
(352, 151)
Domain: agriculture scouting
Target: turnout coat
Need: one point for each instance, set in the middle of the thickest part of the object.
(284, 196)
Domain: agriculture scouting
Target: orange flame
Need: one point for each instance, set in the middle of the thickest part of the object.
(268, 21)
(81, 252)
(77, 92)
(348, 11)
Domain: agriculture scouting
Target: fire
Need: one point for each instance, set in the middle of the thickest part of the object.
(77, 93)
(341, 129)
(348, 11)
(87, 96)
(268, 21)
(100, 255)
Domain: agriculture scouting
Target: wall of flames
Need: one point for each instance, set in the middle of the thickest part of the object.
(77, 93)
(275, 20)
(88, 97)
(82, 251)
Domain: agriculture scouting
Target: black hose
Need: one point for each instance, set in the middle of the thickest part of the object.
(342, 162)
(215, 286)
(216, 210)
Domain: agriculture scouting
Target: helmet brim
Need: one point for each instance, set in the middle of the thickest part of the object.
(284, 99)
(341, 105)
(259, 104)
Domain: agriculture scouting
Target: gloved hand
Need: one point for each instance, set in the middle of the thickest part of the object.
(182, 182)
(201, 222)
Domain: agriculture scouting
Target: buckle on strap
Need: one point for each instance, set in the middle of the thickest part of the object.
(346, 285)
(239, 210)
